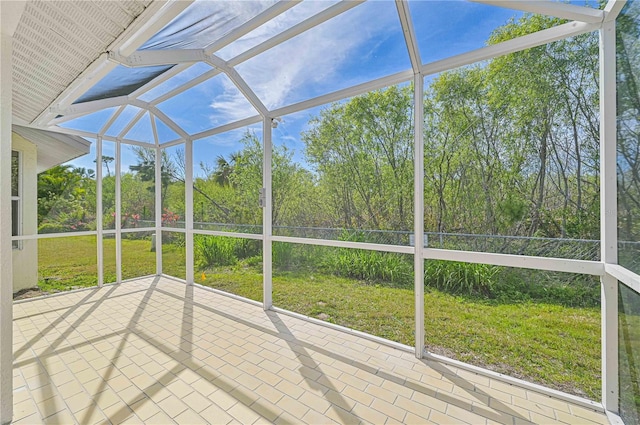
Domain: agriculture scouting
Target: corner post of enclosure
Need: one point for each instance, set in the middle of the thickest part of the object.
(158, 193)
(188, 209)
(267, 230)
(418, 209)
(118, 223)
(10, 13)
(608, 215)
(99, 242)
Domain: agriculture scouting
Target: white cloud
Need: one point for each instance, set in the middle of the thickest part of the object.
(290, 70)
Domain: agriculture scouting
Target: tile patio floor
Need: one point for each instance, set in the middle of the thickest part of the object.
(157, 351)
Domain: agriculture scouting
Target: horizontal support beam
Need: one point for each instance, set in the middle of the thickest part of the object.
(346, 244)
(594, 268)
(551, 8)
(228, 234)
(158, 57)
(129, 230)
(53, 235)
(136, 143)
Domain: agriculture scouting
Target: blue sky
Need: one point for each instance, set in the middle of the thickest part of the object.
(362, 44)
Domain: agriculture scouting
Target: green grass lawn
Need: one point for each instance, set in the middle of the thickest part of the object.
(544, 343)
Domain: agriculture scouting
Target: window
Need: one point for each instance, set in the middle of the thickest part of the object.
(15, 197)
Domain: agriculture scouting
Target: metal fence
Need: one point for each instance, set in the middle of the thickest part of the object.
(578, 249)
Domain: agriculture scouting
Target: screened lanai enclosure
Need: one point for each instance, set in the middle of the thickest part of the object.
(430, 209)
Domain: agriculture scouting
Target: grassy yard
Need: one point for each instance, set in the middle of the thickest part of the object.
(550, 344)
(70, 263)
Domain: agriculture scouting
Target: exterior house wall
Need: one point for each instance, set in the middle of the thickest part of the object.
(25, 257)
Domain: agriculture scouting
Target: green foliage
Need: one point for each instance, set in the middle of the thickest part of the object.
(287, 256)
(370, 266)
(551, 344)
(460, 278)
(213, 251)
(66, 198)
(524, 286)
(362, 152)
(52, 228)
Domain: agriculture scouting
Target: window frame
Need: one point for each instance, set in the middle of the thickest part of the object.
(17, 199)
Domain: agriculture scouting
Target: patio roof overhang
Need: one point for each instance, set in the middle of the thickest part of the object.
(53, 148)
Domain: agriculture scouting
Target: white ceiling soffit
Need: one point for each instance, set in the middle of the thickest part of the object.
(53, 148)
(55, 41)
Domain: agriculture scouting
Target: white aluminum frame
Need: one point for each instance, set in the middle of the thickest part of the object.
(267, 215)
(123, 51)
(608, 215)
(99, 212)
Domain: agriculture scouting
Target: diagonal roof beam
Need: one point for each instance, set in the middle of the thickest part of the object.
(613, 9)
(160, 79)
(409, 34)
(154, 129)
(551, 8)
(264, 17)
(539, 38)
(136, 35)
(154, 17)
(240, 84)
(186, 86)
(111, 120)
(162, 117)
(295, 30)
(86, 108)
(307, 24)
(131, 123)
(175, 56)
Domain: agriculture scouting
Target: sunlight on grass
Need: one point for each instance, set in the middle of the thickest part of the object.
(67, 263)
(550, 344)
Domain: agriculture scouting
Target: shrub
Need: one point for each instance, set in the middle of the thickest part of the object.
(371, 266)
(569, 290)
(214, 251)
(460, 278)
(283, 255)
(52, 228)
(288, 256)
(246, 248)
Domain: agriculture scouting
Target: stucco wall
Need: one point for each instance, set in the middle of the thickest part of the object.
(25, 258)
